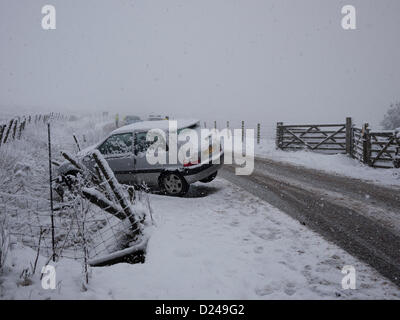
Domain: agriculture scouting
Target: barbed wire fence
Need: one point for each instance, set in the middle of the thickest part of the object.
(14, 128)
(96, 220)
(105, 233)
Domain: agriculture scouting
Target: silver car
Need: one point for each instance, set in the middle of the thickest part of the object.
(125, 151)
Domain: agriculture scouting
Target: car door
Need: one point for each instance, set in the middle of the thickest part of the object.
(146, 173)
(118, 152)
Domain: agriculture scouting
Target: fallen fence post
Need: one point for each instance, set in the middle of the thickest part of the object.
(97, 199)
(71, 160)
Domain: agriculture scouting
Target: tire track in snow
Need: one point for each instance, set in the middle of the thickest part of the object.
(334, 206)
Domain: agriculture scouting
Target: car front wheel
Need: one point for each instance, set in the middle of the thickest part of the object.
(174, 184)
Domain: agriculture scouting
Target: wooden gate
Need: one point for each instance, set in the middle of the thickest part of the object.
(358, 145)
(326, 138)
(373, 148)
(382, 149)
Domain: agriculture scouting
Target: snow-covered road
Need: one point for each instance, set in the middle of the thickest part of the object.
(220, 242)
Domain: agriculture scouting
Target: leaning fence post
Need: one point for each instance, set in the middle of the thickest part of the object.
(349, 134)
(21, 127)
(77, 142)
(8, 130)
(51, 195)
(278, 136)
(114, 186)
(258, 133)
(2, 129)
(15, 128)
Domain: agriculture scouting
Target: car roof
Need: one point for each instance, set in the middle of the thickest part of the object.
(159, 124)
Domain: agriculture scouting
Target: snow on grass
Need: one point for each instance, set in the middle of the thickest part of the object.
(338, 163)
(24, 178)
(219, 242)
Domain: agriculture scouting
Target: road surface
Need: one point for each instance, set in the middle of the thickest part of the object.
(363, 218)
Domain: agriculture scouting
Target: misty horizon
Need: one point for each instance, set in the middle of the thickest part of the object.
(263, 61)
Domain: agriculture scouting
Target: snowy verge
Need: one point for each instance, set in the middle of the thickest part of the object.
(338, 163)
(219, 242)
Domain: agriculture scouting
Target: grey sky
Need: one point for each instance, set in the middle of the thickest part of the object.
(254, 59)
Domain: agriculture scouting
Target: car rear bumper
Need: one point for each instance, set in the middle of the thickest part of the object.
(201, 172)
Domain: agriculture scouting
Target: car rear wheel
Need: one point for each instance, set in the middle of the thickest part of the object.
(210, 178)
(174, 184)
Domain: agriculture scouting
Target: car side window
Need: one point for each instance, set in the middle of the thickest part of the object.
(117, 144)
(141, 144)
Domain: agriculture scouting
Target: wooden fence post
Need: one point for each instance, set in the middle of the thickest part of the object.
(76, 142)
(8, 130)
(21, 127)
(15, 128)
(51, 196)
(258, 133)
(278, 136)
(366, 144)
(349, 136)
(242, 130)
(215, 124)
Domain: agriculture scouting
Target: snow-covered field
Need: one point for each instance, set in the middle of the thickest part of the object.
(337, 163)
(218, 242)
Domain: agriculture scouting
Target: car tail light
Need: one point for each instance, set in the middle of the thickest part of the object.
(191, 163)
